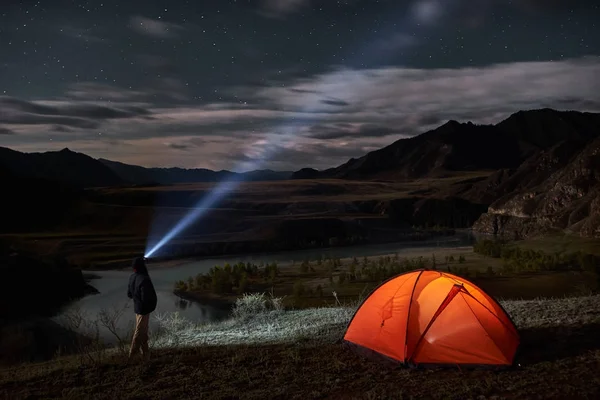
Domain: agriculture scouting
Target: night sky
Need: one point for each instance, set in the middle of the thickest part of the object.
(280, 84)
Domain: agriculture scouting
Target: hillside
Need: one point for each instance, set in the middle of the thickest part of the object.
(63, 166)
(293, 355)
(536, 171)
(34, 204)
(80, 170)
(167, 176)
(543, 171)
(458, 146)
(559, 189)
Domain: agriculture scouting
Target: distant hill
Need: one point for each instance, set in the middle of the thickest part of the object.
(80, 170)
(305, 173)
(65, 166)
(537, 171)
(165, 176)
(32, 204)
(458, 146)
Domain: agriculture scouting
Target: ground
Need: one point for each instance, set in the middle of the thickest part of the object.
(559, 358)
(118, 221)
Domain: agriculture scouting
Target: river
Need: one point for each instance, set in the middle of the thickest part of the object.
(112, 285)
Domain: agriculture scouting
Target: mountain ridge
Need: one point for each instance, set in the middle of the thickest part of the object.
(455, 146)
(80, 170)
(536, 171)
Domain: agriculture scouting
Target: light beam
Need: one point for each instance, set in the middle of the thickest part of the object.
(423, 11)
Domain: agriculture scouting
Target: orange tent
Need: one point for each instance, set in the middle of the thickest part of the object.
(428, 317)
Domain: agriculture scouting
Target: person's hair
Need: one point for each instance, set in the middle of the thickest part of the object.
(139, 265)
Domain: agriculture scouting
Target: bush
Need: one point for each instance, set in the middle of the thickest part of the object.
(250, 305)
(304, 267)
(298, 289)
(319, 291)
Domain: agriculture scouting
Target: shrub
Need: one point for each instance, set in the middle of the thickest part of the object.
(319, 291)
(298, 289)
(250, 305)
(304, 267)
(243, 283)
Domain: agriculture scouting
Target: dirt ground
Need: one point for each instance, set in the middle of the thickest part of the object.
(555, 363)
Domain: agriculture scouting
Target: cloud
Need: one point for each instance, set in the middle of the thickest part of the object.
(63, 113)
(397, 41)
(155, 90)
(105, 92)
(357, 131)
(61, 129)
(428, 11)
(153, 27)
(334, 102)
(178, 146)
(6, 131)
(281, 8)
(280, 123)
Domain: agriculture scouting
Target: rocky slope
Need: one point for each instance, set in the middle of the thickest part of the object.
(558, 189)
(542, 165)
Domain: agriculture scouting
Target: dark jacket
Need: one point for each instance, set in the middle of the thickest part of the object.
(141, 290)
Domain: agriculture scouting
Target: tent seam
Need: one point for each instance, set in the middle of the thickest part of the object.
(480, 324)
(408, 315)
(497, 317)
(449, 297)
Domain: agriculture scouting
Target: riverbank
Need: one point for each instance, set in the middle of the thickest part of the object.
(293, 355)
(505, 270)
(320, 282)
(107, 250)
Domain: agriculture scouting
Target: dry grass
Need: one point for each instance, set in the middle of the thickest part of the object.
(563, 243)
(560, 358)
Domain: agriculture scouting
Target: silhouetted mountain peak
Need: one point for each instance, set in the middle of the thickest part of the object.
(456, 146)
(62, 166)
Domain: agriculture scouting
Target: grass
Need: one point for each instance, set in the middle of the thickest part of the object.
(269, 353)
(312, 283)
(563, 243)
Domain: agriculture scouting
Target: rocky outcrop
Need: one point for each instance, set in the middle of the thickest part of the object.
(559, 190)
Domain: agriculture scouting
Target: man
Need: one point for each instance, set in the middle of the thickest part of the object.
(141, 290)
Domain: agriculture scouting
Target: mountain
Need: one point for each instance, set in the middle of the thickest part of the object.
(31, 204)
(165, 176)
(305, 173)
(80, 170)
(556, 190)
(458, 146)
(65, 166)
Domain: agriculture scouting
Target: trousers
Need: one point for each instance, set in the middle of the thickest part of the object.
(140, 336)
